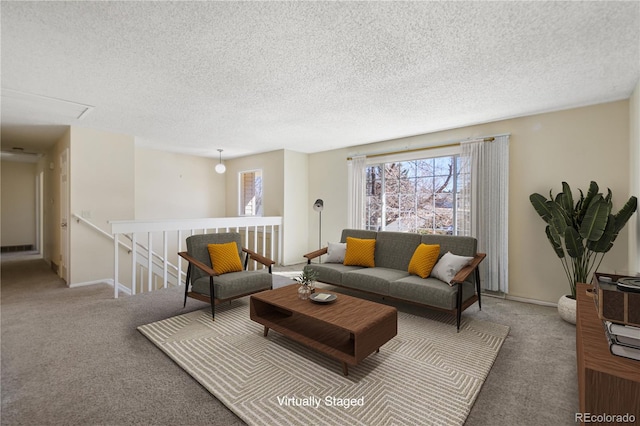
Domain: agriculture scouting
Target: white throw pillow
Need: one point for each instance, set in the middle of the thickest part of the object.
(448, 266)
(335, 252)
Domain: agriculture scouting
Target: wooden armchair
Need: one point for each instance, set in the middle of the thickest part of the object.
(209, 286)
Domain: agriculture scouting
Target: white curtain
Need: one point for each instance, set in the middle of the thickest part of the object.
(356, 180)
(486, 197)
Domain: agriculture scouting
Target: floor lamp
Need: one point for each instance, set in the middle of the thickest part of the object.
(318, 206)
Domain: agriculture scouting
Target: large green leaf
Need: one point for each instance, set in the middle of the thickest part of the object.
(539, 203)
(591, 193)
(595, 220)
(567, 197)
(625, 213)
(555, 241)
(573, 242)
(559, 220)
(609, 196)
(605, 242)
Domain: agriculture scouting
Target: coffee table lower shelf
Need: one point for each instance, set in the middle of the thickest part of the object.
(349, 345)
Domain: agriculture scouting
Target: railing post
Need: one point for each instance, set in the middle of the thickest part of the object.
(134, 261)
(149, 261)
(179, 258)
(166, 261)
(115, 266)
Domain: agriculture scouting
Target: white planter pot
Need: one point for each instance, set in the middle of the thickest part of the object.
(567, 309)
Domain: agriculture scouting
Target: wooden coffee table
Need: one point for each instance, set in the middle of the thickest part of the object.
(348, 329)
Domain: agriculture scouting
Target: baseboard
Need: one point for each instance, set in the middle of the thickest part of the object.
(109, 281)
(532, 301)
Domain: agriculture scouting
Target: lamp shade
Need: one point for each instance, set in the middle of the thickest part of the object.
(318, 205)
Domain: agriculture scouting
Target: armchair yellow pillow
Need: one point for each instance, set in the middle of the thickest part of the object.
(225, 258)
(360, 252)
(423, 259)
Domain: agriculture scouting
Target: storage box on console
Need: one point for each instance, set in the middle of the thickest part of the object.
(615, 305)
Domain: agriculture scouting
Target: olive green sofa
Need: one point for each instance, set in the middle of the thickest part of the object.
(390, 277)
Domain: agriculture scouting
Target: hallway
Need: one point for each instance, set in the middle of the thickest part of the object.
(73, 356)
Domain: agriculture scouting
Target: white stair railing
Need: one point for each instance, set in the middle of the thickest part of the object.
(141, 255)
(261, 234)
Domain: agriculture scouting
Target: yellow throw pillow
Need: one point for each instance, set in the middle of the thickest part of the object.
(360, 252)
(225, 258)
(423, 259)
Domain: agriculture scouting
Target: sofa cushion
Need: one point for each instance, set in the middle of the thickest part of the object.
(336, 252)
(462, 246)
(360, 252)
(374, 280)
(357, 233)
(429, 291)
(331, 273)
(423, 259)
(234, 284)
(394, 249)
(448, 266)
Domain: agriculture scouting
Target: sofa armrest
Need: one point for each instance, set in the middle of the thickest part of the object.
(195, 262)
(315, 254)
(464, 273)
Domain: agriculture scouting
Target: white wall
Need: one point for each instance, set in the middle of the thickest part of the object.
(634, 179)
(577, 146)
(18, 203)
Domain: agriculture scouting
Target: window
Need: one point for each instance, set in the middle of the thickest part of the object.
(421, 196)
(250, 196)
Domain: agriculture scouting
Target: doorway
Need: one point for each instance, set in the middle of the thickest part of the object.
(63, 270)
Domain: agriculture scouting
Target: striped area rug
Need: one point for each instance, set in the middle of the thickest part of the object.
(427, 375)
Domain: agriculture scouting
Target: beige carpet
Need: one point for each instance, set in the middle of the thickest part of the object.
(427, 374)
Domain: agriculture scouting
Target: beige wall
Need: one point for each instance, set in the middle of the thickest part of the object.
(577, 146)
(272, 166)
(176, 186)
(18, 203)
(297, 207)
(284, 186)
(328, 181)
(102, 189)
(634, 179)
(110, 179)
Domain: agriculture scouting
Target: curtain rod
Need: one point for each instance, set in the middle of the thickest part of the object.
(487, 139)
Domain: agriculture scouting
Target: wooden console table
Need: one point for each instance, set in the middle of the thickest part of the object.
(607, 384)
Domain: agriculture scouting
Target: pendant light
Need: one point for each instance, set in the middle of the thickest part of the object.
(220, 168)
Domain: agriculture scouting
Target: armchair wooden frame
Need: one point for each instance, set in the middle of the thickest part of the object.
(193, 262)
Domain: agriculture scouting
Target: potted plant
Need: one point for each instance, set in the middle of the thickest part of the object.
(581, 233)
(307, 278)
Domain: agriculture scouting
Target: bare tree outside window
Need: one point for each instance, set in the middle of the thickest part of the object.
(414, 196)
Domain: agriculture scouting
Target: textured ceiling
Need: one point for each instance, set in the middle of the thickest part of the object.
(252, 77)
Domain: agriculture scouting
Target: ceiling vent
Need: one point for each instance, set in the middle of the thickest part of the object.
(42, 107)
